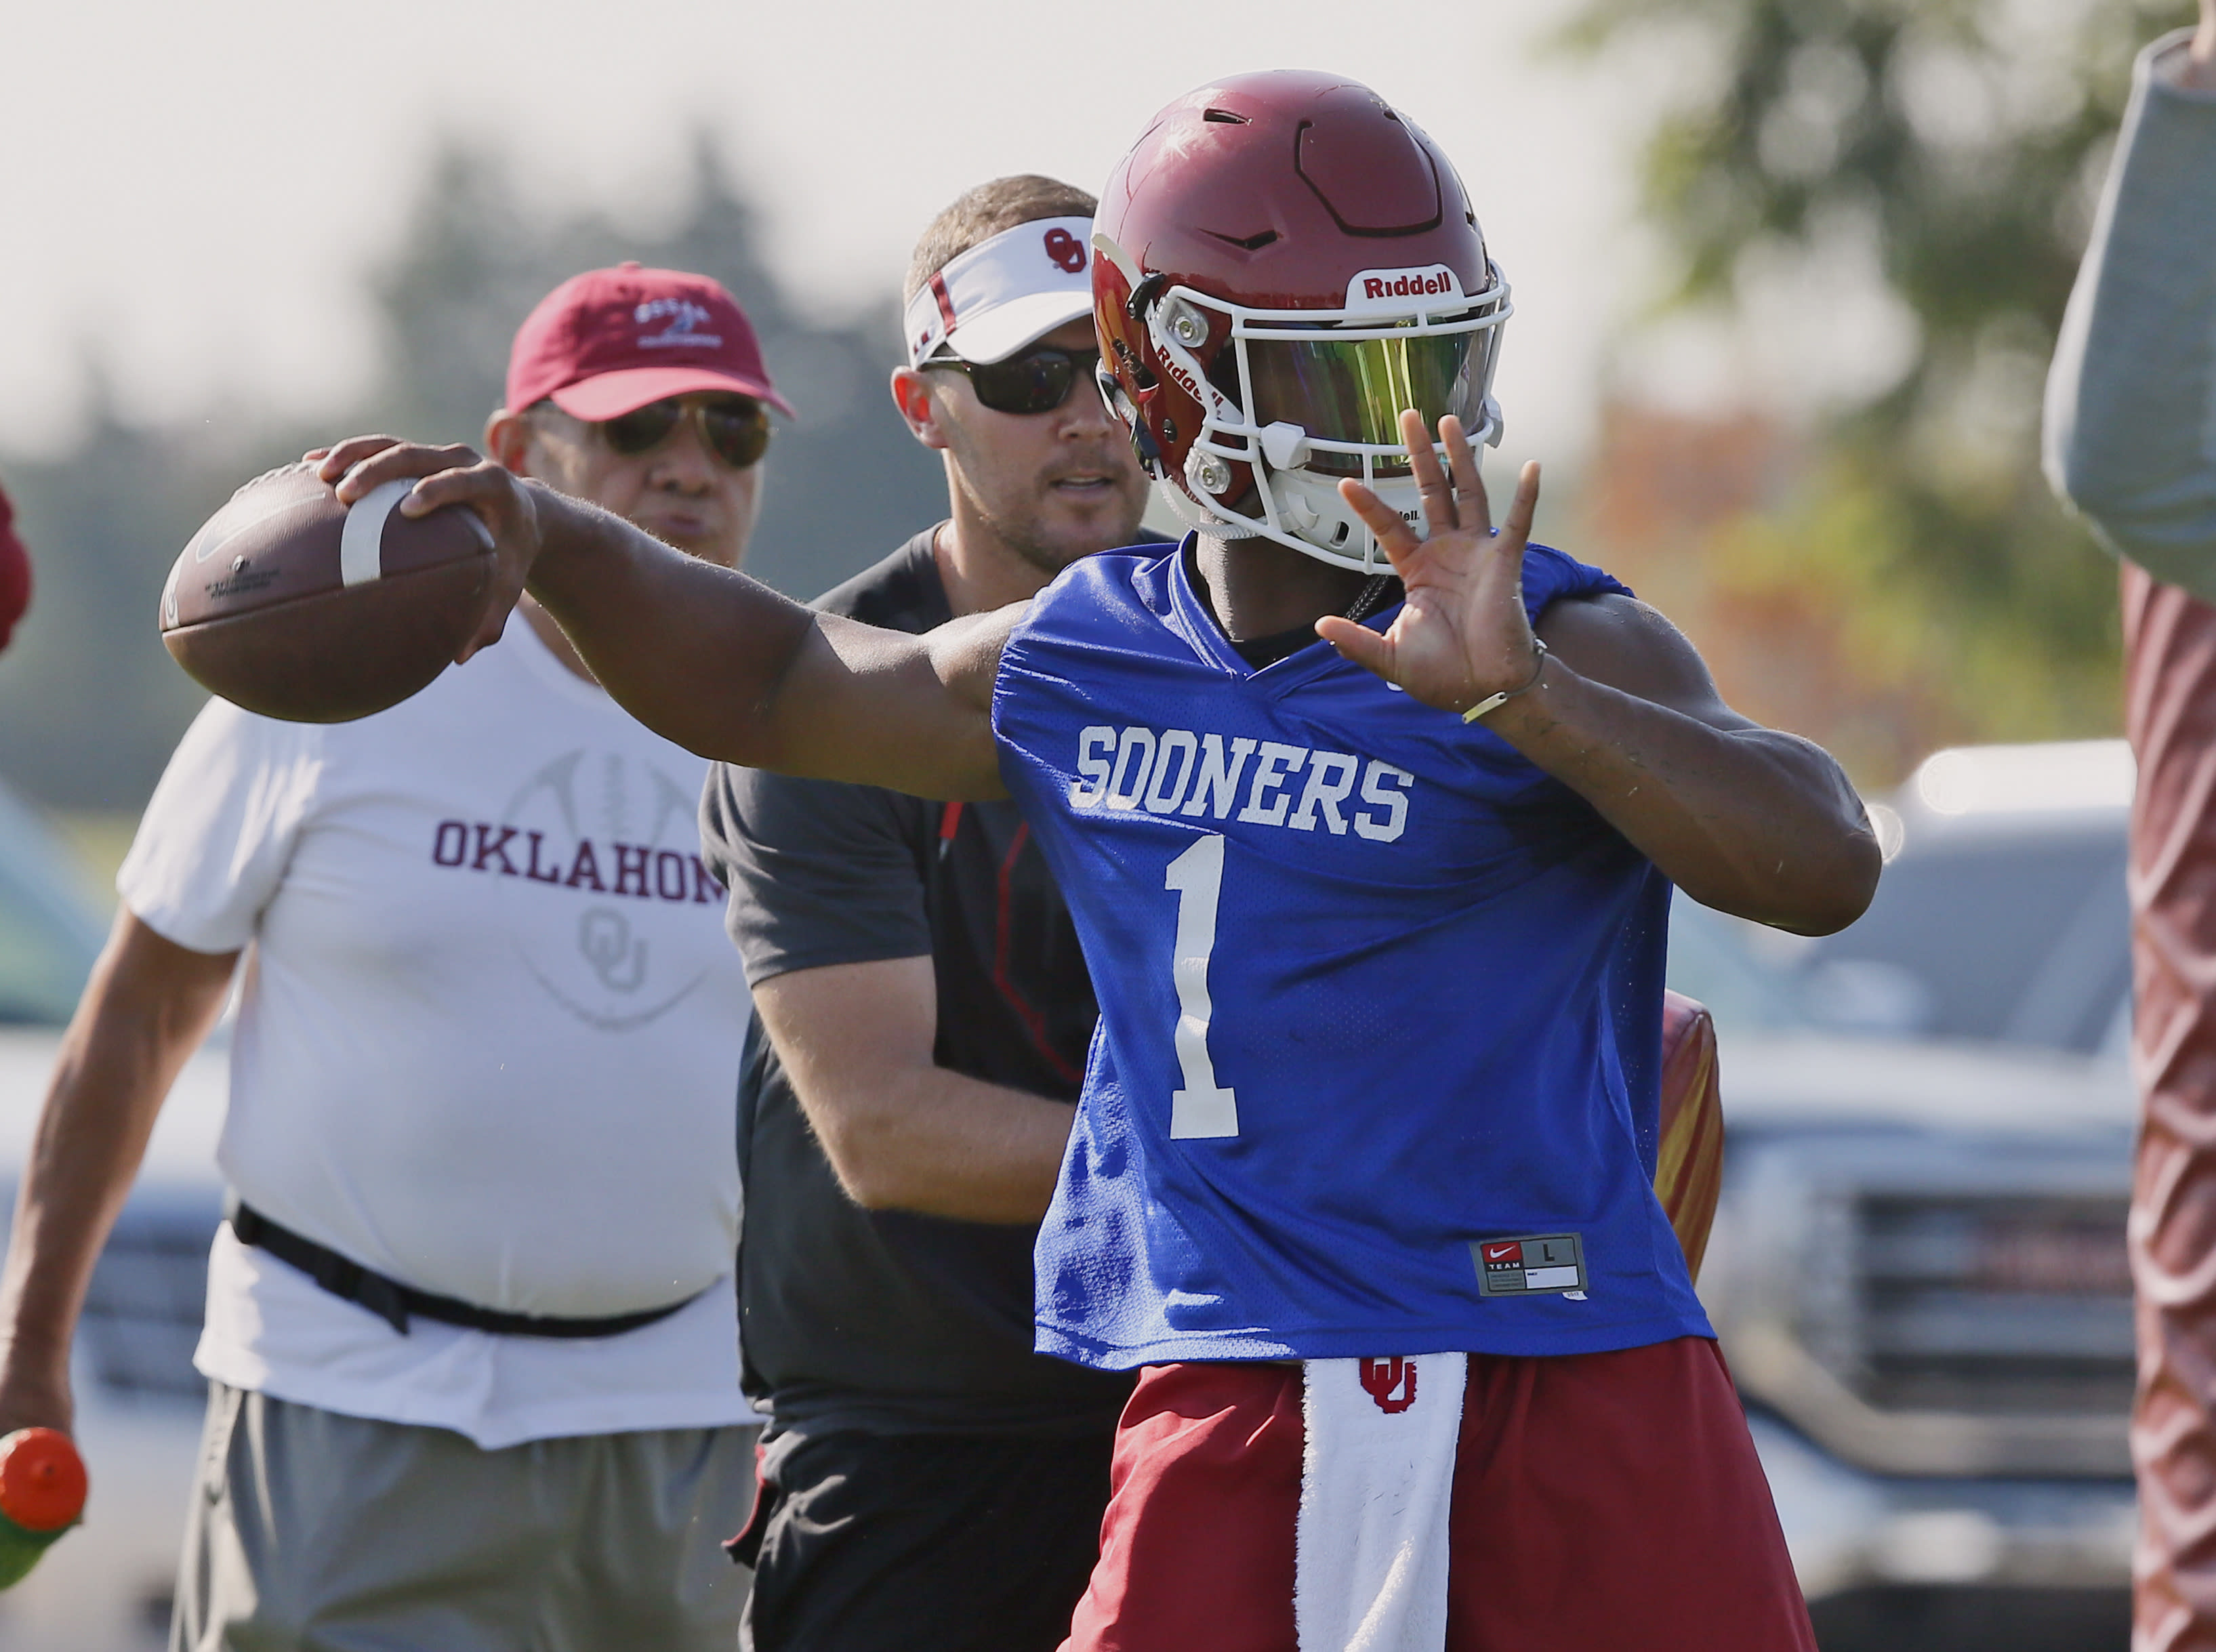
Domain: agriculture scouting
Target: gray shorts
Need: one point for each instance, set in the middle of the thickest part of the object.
(311, 1532)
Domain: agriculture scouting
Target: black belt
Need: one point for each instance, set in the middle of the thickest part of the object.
(393, 1302)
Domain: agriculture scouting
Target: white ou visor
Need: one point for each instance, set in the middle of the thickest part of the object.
(1004, 293)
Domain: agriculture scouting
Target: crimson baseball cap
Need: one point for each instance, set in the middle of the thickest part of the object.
(609, 342)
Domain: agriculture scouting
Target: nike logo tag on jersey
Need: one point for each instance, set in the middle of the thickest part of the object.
(1538, 1264)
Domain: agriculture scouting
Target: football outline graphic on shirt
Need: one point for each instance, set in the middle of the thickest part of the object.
(604, 938)
(614, 963)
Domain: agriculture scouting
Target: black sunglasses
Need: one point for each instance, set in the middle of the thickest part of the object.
(1037, 381)
(735, 428)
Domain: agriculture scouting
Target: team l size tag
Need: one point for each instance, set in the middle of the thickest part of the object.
(1537, 1262)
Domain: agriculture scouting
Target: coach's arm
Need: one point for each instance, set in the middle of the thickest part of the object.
(901, 1131)
(2131, 399)
(149, 1004)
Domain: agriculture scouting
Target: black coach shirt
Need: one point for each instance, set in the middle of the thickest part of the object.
(884, 1320)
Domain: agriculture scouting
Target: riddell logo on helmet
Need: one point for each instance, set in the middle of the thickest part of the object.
(1418, 287)
(1388, 289)
(1183, 380)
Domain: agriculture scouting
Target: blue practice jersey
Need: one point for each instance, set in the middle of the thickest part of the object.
(1380, 1003)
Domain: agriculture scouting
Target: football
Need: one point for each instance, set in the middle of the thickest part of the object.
(292, 604)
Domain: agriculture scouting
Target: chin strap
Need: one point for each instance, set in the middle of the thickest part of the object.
(1195, 515)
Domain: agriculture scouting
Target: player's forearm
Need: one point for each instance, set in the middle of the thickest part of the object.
(728, 668)
(1751, 821)
(938, 1143)
(695, 652)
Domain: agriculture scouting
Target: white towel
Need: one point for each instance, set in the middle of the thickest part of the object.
(1376, 1481)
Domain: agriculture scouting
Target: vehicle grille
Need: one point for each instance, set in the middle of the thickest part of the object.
(141, 1315)
(1992, 1305)
(1951, 1313)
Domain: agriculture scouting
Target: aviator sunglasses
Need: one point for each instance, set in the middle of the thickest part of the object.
(1037, 381)
(734, 428)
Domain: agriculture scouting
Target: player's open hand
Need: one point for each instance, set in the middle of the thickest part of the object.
(452, 475)
(1463, 635)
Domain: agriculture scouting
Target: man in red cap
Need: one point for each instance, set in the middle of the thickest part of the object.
(15, 574)
(603, 373)
(471, 1338)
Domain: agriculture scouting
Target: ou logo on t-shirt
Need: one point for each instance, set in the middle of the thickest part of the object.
(1065, 250)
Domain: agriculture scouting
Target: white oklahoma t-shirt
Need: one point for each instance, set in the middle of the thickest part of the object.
(487, 1044)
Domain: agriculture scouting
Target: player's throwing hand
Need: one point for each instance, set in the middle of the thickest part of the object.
(1463, 635)
(509, 505)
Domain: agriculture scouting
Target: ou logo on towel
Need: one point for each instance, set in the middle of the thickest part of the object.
(1065, 250)
(1383, 1376)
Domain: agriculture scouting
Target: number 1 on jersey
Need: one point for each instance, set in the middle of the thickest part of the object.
(1202, 1108)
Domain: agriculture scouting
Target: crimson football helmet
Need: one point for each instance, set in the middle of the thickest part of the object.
(1285, 263)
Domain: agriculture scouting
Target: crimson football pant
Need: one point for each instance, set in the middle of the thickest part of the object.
(1601, 1502)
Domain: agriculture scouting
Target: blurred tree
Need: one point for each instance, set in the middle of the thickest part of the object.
(90, 703)
(1963, 141)
(474, 262)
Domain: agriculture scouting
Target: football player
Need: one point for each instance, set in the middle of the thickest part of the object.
(1368, 815)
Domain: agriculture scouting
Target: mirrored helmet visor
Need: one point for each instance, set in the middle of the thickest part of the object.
(1353, 390)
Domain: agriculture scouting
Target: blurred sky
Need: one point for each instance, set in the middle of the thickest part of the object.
(190, 195)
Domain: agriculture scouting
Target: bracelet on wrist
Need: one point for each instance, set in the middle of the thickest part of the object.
(1494, 702)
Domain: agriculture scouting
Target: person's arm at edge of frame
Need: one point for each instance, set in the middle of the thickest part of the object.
(707, 658)
(147, 1006)
(1751, 820)
(901, 1131)
(2132, 388)
(14, 573)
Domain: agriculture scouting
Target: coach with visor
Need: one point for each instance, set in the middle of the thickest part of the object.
(929, 1483)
